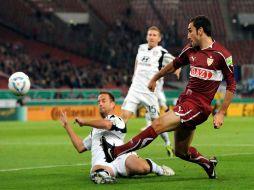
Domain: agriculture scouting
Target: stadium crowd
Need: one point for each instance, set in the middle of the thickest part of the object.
(49, 72)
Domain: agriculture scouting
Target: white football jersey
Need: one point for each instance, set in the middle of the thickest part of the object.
(114, 136)
(148, 63)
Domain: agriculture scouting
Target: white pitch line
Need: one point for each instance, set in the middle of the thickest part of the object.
(217, 155)
(154, 144)
(43, 167)
(216, 145)
(35, 143)
(74, 165)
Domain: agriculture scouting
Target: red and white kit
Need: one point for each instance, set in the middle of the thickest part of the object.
(208, 67)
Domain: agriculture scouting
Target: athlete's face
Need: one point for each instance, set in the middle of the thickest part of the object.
(106, 105)
(194, 35)
(153, 38)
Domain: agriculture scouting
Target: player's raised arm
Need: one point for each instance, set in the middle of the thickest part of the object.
(75, 139)
(169, 68)
(99, 124)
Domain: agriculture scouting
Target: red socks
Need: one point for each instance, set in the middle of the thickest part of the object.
(195, 157)
(141, 140)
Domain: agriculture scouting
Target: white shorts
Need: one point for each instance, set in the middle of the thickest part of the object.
(134, 99)
(118, 165)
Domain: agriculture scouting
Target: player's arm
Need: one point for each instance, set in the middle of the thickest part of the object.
(228, 73)
(167, 58)
(99, 124)
(219, 116)
(178, 72)
(75, 139)
(169, 68)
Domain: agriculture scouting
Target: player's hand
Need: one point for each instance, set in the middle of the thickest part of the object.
(152, 85)
(177, 73)
(218, 120)
(79, 121)
(63, 118)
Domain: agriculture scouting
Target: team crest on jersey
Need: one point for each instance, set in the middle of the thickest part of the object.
(210, 61)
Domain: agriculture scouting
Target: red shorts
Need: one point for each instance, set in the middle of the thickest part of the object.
(190, 114)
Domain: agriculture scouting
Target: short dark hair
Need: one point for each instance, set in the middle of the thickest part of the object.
(111, 96)
(202, 21)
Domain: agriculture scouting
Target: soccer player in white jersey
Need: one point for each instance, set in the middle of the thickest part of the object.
(150, 59)
(114, 129)
(162, 104)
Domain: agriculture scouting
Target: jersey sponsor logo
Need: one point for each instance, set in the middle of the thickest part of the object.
(145, 59)
(206, 74)
(210, 60)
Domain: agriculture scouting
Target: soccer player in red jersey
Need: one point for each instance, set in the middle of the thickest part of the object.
(210, 63)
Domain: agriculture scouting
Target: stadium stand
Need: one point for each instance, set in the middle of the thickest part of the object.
(109, 11)
(112, 52)
(241, 57)
(243, 6)
(59, 5)
(177, 13)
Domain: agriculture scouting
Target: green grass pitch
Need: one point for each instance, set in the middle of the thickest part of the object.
(39, 155)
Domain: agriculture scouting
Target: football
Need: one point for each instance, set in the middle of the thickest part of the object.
(19, 83)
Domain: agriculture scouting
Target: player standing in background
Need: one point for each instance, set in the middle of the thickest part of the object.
(210, 63)
(150, 59)
(162, 104)
(114, 129)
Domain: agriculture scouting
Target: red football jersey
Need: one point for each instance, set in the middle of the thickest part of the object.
(208, 67)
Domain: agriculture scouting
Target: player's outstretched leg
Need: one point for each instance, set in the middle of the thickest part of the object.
(208, 164)
(141, 140)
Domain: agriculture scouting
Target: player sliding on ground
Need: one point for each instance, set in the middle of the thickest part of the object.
(114, 128)
(210, 63)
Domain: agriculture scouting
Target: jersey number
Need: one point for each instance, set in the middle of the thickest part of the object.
(152, 109)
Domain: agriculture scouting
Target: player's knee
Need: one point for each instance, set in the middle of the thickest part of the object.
(156, 123)
(157, 126)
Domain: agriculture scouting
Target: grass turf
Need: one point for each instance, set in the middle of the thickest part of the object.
(39, 155)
